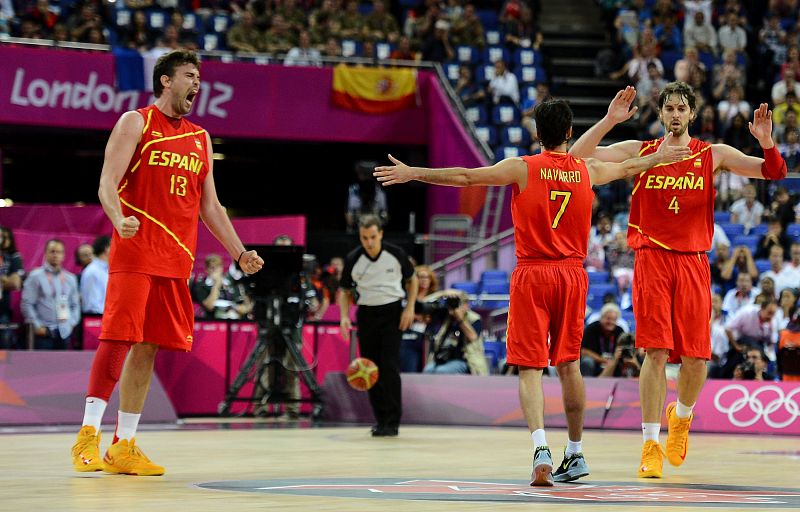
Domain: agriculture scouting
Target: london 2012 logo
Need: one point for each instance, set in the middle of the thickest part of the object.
(770, 403)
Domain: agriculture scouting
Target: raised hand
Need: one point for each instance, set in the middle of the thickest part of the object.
(668, 153)
(761, 127)
(393, 174)
(620, 108)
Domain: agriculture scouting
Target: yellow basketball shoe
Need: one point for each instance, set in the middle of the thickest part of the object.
(652, 461)
(126, 458)
(677, 436)
(86, 451)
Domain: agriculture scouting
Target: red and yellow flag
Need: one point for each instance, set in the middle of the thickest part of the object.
(374, 90)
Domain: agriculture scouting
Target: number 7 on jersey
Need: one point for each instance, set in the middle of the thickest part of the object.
(554, 195)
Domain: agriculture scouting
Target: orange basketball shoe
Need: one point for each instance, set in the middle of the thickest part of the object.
(126, 458)
(86, 451)
(652, 461)
(677, 436)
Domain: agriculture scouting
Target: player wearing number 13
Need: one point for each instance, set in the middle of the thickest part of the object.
(551, 209)
(671, 227)
(156, 180)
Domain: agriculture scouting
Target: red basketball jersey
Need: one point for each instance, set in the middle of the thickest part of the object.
(162, 188)
(672, 205)
(552, 216)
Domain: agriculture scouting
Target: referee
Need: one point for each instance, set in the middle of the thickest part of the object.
(379, 276)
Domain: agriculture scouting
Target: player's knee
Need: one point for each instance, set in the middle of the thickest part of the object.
(658, 356)
(569, 369)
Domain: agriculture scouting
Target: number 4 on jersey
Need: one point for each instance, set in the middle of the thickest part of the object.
(554, 195)
(673, 205)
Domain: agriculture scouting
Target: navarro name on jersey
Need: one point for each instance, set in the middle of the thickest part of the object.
(559, 175)
(189, 162)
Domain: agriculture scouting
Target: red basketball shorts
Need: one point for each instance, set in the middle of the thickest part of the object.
(545, 315)
(142, 307)
(672, 302)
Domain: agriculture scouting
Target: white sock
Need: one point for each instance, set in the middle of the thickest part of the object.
(126, 425)
(93, 412)
(538, 438)
(573, 447)
(683, 411)
(651, 431)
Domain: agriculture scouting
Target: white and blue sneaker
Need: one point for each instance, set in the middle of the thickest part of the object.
(571, 468)
(542, 474)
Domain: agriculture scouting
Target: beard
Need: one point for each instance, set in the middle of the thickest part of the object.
(677, 131)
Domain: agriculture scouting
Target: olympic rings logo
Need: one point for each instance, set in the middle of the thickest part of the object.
(757, 407)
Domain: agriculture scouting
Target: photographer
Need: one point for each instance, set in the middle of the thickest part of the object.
(457, 346)
(625, 362)
(219, 294)
(600, 341)
(754, 367)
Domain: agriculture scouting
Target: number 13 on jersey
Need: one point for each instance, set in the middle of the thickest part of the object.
(554, 196)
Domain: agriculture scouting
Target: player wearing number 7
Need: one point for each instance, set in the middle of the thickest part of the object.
(670, 230)
(551, 209)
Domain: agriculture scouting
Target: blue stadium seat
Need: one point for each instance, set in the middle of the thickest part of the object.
(365, 9)
(157, 20)
(515, 136)
(219, 23)
(763, 265)
(751, 241)
(350, 48)
(505, 114)
(628, 317)
(722, 217)
(503, 152)
(489, 18)
(488, 275)
(668, 59)
(466, 286)
(383, 50)
(732, 230)
(596, 292)
(599, 277)
(467, 54)
(487, 133)
(408, 4)
(759, 230)
(493, 37)
(527, 92)
(495, 286)
(122, 17)
(451, 70)
(530, 75)
(492, 54)
(211, 42)
(496, 350)
(484, 73)
(793, 230)
(478, 114)
(526, 57)
(191, 21)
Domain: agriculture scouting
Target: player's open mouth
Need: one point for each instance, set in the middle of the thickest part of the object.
(190, 97)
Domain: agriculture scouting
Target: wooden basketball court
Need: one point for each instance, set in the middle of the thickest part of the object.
(267, 466)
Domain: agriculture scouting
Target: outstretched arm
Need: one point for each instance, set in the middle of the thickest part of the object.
(506, 172)
(604, 172)
(771, 167)
(618, 111)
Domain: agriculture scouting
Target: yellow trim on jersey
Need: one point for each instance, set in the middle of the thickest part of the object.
(147, 124)
(122, 187)
(637, 185)
(654, 143)
(161, 225)
(687, 158)
(162, 139)
(649, 237)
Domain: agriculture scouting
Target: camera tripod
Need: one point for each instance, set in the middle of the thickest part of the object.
(278, 332)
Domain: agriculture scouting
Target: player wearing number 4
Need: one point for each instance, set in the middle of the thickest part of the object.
(670, 229)
(551, 209)
(156, 180)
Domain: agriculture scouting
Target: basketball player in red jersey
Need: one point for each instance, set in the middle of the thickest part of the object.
(551, 209)
(156, 179)
(671, 226)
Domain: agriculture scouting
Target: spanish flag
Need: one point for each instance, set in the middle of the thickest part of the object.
(374, 90)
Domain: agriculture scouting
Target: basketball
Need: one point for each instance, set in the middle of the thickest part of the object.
(362, 374)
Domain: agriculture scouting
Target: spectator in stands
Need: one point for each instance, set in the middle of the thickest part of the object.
(523, 32)
(292, 14)
(244, 36)
(668, 35)
(278, 39)
(776, 257)
(782, 87)
(653, 81)
(774, 236)
(137, 35)
(720, 346)
(790, 150)
(365, 196)
(620, 261)
(466, 88)
(690, 69)
(791, 65)
(747, 211)
(780, 110)
(353, 22)
(731, 36)
(11, 274)
(732, 106)
(603, 231)
(187, 38)
(787, 305)
(608, 298)
(84, 254)
(404, 51)
(719, 237)
(94, 278)
(83, 21)
(503, 86)
(219, 295)
(772, 45)
(28, 29)
(754, 367)
(647, 118)
(743, 295)
(767, 286)
(595, 257)
(167, 42)
(50, 301)
(700, 35)
(782, 207)
(456, 340)
(737, 135)
(368, 50)
(791, 269)
(332, 48)
(705, 125)
(380, 25)
(753, 325)
(437, 46)
(319, 17)
(303, 54)
(790, 124)
(727, 75)
(600, 341)
(723, 267)
(636, 68)
(468, 29)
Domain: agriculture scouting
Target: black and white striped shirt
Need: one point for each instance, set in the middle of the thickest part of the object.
(377, 281)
